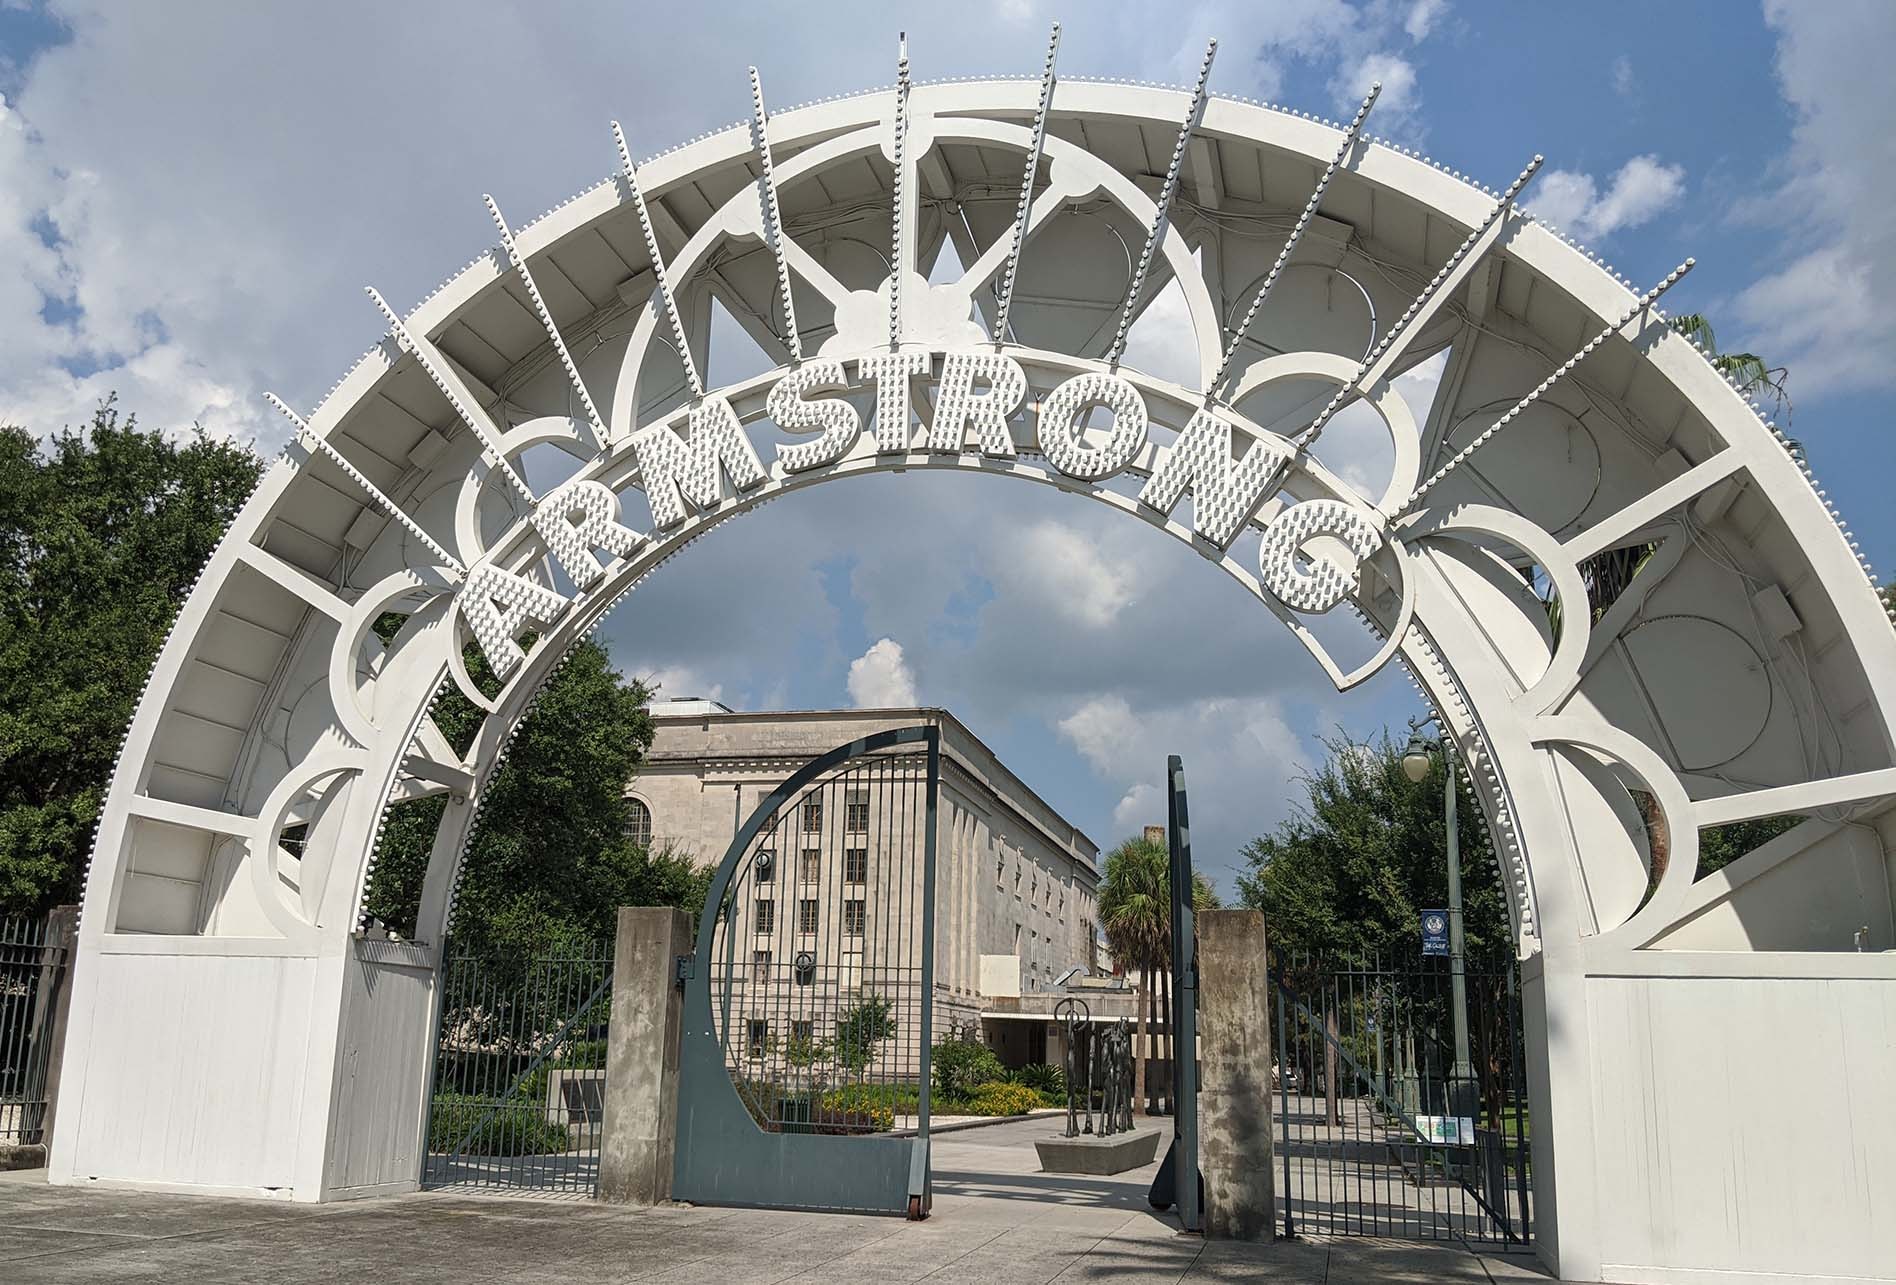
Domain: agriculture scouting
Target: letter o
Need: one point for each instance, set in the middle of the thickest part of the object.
(1063, 446)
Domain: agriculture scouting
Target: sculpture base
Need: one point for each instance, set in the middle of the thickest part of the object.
(1092, 1154)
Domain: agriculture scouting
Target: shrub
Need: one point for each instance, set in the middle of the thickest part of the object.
(998, 1097)
(857, 1108)
(516, 1129)
(1047, 1081)
(961, 1066)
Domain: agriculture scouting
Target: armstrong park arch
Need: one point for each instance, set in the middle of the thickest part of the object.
(233, 1031)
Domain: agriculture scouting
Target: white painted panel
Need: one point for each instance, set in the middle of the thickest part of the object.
(195, 1071)
(1814, 900)
(1742, 1124)
(376, 1126)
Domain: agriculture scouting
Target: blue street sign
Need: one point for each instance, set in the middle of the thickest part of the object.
(1435, 932)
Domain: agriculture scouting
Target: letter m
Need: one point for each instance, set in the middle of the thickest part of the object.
(1225, 492)
(675, 471)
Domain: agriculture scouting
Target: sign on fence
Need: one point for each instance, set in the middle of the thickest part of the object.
(1446, 1130)
(1435, 932)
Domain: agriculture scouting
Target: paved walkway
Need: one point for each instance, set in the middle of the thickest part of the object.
(996, 1221)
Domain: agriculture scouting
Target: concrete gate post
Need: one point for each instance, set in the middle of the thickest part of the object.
(1234, 1093)
(640, 1129)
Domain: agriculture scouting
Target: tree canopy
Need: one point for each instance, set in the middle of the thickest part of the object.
(1347, 874)
(550, 861)
(102, 533)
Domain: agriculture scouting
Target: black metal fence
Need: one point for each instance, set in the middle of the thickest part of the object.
(33, 957)
(1394, 1118)
(520, 1071)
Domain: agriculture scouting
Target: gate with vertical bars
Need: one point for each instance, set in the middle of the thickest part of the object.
(804, 1067)
(520, 1069)
(1380, 1133)
(33, 955)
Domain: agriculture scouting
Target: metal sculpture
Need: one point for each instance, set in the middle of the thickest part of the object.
(1747, 671)
(1076, 1019)
(1112, 1057)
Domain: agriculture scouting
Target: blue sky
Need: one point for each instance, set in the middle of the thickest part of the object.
(192, 194)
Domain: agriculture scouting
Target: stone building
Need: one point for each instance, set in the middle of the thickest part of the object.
(828, 905)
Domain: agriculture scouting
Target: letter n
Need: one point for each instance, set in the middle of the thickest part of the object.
(1225, 492)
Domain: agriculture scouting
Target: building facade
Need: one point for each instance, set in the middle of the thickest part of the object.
(827, 908)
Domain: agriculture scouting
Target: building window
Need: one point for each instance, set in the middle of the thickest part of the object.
(856, 865)
(856, 814)
(809, 865)
(760, 965)
(855, 915)
(759, 1042)
(802, 1033)
(807, 913)
(638, 822)
(812, 815)
(766, 915)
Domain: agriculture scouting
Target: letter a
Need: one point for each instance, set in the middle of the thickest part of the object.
(499, 605)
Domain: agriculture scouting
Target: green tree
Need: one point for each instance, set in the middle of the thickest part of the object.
(550, 861)
(102, 533)
(862, 1029)
(1347, 873)
(1135, 913)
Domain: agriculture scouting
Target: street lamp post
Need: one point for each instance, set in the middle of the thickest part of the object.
(1416, 761)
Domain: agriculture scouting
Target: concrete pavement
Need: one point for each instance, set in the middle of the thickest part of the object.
(995, 1220)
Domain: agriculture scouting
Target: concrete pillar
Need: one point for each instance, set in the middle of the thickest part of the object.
(1234, 1094)
(640, 1130)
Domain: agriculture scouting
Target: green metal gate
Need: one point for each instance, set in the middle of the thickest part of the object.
(804, 1067)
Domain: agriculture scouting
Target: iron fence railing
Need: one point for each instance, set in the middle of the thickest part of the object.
(33, 956)
(1385, 1130)
(520, 1069)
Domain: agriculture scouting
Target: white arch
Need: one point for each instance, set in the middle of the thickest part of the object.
(301, 576)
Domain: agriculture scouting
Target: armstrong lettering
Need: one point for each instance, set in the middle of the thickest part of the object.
(1090, 427)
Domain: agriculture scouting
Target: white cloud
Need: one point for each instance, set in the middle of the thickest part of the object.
(1235, 751)
(1825, 311)
(1622, 76)
(1080, 579)
(1423, 15)
(1641, 189)
(880, 678)
(1398, 99)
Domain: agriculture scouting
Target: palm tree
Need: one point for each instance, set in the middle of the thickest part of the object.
(1135, 911)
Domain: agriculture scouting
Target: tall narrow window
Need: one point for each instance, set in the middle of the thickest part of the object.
(638, 822)
(766, 915)
(810, 865)
(856, 865)
(808, 912)
(855, 916)
(760, 965)
(812, 815)
(856, 815)
(759, 1042)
